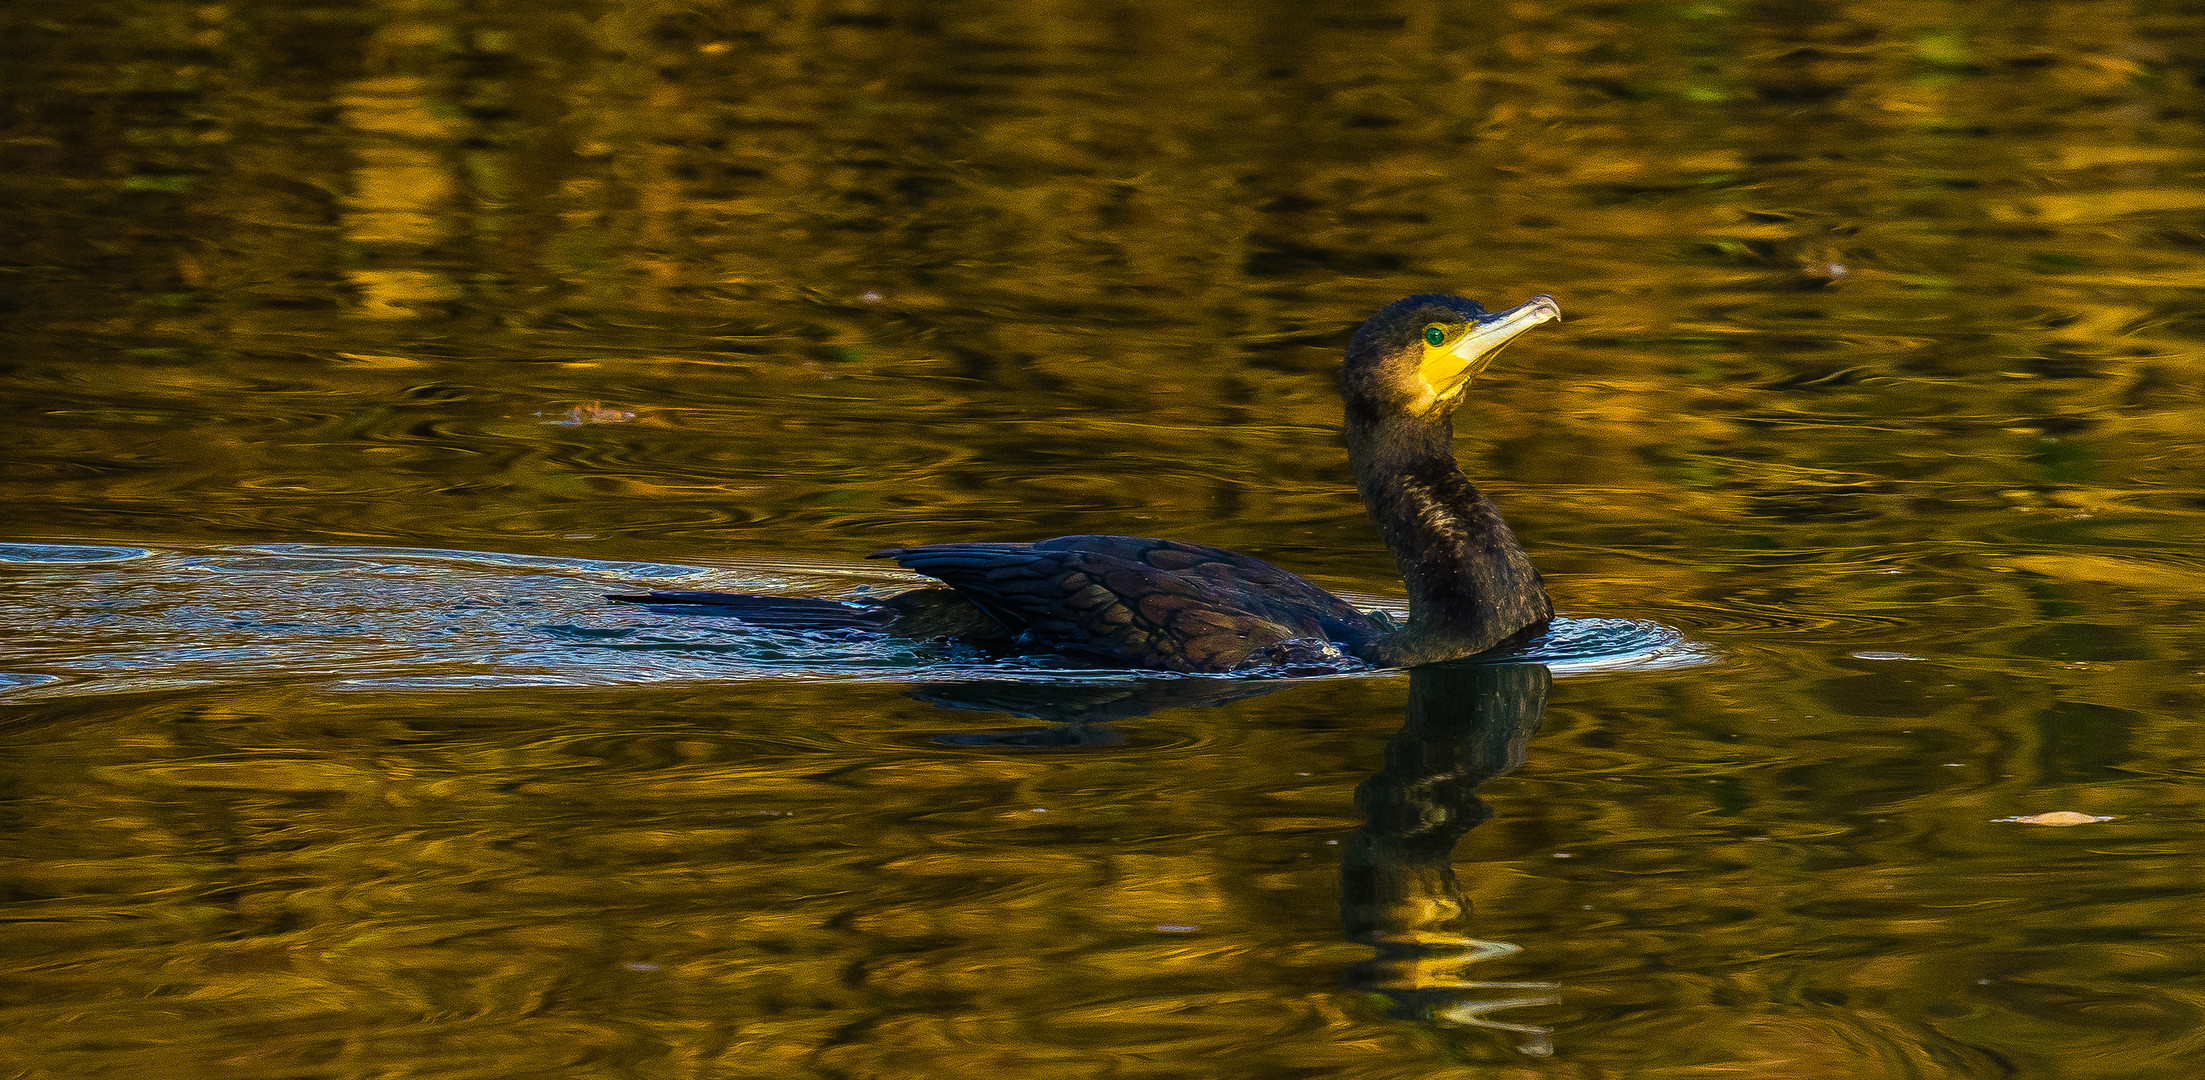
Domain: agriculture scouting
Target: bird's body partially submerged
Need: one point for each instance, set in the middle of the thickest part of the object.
(1158, 604)
(1172, 606)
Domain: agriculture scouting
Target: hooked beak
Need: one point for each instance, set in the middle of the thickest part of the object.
(1478, 346)
(1448, 372)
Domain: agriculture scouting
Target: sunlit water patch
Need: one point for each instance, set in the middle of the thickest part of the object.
(103, 619)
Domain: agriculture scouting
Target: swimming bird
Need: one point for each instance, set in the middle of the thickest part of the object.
(1175, 606)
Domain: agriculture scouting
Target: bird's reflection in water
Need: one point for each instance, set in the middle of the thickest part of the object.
(1466, 724)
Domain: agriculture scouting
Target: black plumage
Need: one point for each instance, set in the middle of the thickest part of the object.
(1176, 606)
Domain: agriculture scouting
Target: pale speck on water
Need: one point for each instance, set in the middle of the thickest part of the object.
(2059, 818)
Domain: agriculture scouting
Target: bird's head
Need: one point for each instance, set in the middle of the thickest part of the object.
(1416, 356)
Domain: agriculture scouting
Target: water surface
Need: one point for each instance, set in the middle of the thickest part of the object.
(353, 350)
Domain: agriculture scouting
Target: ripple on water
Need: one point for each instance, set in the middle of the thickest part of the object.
(278, 564)
(382, 618)
(412, 558)
(1572, 646)
(52, 554)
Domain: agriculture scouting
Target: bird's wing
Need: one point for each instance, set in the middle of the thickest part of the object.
(1250, 581)
(1148, 603)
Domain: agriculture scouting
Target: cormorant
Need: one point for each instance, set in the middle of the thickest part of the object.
(1173, 606)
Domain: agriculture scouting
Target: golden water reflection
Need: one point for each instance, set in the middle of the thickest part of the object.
(1880, 381)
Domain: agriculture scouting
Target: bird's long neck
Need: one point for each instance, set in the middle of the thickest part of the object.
(1470, 584)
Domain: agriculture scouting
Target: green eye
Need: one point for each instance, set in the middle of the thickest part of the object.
(1434, 335)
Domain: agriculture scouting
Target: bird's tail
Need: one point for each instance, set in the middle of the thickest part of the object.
(769, 612)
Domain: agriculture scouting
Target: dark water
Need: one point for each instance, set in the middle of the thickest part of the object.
(351, 351)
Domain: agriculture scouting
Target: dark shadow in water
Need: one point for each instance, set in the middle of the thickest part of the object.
(1466, 724)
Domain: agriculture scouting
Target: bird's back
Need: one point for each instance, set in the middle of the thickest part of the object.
(1128, 600)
